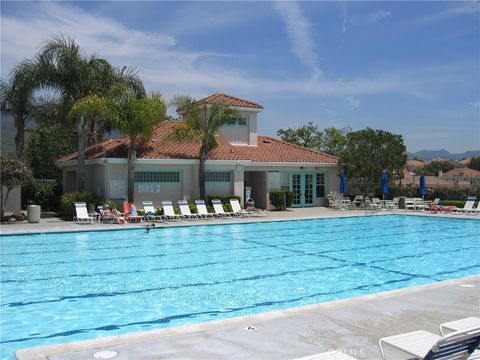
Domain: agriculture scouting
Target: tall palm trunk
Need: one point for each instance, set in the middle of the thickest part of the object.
(201, 171)
(19, 137)
(81, 153)
(132, 158)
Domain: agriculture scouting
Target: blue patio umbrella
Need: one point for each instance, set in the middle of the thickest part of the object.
(384, 186)
(343, 183)
(423, 186)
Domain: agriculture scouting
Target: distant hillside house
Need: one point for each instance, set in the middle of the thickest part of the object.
(168, 170)
(467, 175)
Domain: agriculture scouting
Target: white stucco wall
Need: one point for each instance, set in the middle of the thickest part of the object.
(246, 135)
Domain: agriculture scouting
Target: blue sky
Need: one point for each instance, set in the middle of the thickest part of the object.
(407, 67)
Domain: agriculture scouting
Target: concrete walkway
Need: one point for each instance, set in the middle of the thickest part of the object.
(351, 325)
(54, 224)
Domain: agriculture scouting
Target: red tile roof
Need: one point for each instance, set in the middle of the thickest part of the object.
(462, 172)
(229, 100)
(159, 147)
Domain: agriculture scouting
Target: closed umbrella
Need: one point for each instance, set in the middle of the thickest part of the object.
(423, 186)
(343, 183)
(384, 186)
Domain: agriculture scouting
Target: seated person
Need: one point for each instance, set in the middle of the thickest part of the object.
(133, 210)
(126, 208)
(119, 219)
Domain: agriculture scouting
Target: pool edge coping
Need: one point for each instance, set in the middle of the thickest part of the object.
(235, 221)
(43, 352)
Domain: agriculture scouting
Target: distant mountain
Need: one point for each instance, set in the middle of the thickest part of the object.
(443, 154)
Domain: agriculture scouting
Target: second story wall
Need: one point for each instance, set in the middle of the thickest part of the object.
(244, 131)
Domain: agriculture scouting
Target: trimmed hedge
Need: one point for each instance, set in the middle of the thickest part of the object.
(225, 199)
(457, 203)
(68, 200)
(281, 199)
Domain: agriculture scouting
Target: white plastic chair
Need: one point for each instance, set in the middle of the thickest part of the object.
(169, 212)
(218, 207)
(428, 346)
(82, 214)
(149, 209)
(468, 207)
(237, 209)
(202, 210)
(185, 210)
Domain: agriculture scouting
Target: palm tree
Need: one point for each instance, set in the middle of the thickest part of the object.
(16, 99)
(201, 124)
(61, 66)
(130, 114)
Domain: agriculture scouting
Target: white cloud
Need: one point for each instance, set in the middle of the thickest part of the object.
(299, 34)
(352, 102)
(460, 8)
(170, 67)
(377, 16)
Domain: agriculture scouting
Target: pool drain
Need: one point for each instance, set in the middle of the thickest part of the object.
(250, 328)
(105, 354)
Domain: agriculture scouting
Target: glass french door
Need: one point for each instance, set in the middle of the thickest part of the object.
(303, 187)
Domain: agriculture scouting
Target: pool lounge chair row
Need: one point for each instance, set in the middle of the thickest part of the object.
(202, 211)
(458, 340)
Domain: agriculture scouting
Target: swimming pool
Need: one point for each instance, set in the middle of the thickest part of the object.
(71, 286)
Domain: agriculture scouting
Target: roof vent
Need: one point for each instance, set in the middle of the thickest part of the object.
(266, 141)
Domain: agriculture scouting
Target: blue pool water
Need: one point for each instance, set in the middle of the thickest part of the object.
(72, 286)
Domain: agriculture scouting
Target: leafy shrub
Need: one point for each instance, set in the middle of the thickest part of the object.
(281, 199)
(225, 199)
(68, 200)
(47, 195)
(193, 208)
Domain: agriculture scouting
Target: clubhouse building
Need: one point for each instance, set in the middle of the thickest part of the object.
(243, 163)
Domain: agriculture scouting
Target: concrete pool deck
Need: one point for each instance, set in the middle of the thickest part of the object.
(54, 224)
(351, 325)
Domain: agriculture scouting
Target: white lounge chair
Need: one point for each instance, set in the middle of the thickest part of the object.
(468, 207)
(458, 325)
(185, 210)
(237, 209)
(329, 355)
(82, 214)
(218, 208)
(202, 210)
(169, 211)
(428, 346)
(150, 212)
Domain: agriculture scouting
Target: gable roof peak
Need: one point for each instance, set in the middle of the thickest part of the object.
(229, 100)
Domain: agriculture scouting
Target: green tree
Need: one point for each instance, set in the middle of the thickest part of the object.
(62, 66)
(130, 114)
(331, 140)
(474, 163)
(45, 144)
(334, 141)
(201, 124)
(368, 152)
(434, 167)
(16, 99)
(13, 172)
(306, 135)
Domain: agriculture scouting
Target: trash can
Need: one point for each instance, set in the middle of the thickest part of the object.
(33, 213)
(401, 202)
